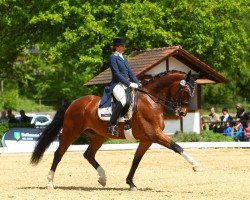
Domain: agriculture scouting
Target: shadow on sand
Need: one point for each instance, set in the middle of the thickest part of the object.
(87, 188)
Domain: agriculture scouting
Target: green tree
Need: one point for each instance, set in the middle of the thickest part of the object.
(213, 31)
(74, 39)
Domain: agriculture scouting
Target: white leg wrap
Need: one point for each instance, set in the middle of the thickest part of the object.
(189, 159)
(102, 176)
(50, 178)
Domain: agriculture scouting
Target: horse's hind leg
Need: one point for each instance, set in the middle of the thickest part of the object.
(96, 142)
(67, 138)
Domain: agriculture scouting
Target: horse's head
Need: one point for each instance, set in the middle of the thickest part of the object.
(181, 92)
(174, 89)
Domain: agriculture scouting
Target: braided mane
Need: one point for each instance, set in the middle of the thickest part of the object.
(157, 76)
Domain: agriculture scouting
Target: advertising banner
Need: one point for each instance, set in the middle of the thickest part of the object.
(22, 138)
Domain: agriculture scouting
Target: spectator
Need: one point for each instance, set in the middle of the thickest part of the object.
(247, 131)
(225, 118)
(11, 117)
(238, 106)
(227, 131)
(4, 118)
(24, 118)
(214, 120)
(238, 134)
(242, 115)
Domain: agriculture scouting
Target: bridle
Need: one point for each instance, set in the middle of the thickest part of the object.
(175, 103)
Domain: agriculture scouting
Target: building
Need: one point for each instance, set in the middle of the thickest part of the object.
(146, 64)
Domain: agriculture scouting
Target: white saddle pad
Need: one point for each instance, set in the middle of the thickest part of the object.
(105, 113)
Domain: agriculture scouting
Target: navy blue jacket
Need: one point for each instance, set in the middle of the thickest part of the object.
(121, 72)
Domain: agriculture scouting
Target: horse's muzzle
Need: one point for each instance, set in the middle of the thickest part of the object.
(182, 112)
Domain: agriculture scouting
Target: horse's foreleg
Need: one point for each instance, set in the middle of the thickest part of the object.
(142, 148)
(96, 142)
(166, 142)
(195, 164)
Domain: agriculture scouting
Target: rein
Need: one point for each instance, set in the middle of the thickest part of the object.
(173, 104)
(159, 100)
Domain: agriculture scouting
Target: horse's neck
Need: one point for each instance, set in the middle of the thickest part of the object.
(161, 86)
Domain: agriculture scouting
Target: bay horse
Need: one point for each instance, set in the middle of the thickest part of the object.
(171, 88)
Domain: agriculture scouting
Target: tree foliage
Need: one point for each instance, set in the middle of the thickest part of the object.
(51, 48)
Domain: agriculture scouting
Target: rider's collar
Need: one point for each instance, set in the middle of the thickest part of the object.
(119, 54)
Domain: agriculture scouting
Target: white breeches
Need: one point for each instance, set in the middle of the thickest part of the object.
(119, 93)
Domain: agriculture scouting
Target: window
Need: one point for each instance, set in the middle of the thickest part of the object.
(41, 119)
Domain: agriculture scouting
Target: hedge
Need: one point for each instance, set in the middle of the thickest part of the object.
(205, 136)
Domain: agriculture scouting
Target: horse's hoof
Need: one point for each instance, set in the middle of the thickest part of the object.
(133, 189)
(102, 181)
(197, 168)
(50, 185)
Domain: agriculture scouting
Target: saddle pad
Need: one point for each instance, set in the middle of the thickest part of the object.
(105, 114)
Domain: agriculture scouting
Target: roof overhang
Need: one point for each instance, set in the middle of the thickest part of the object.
(143, 61)
(204, 81)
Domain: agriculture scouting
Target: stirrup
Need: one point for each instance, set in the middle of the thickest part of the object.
(112, 131)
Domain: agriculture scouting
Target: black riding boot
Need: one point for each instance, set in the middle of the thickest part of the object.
(113, 119)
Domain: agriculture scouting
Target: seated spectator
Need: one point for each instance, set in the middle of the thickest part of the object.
(4, 118)
(225, 118)
(24, 118)
(214, 120)
(227, 131)
(247, 131)
(11, 117)
(238, 134)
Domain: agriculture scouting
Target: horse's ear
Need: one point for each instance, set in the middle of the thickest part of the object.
(187, 78)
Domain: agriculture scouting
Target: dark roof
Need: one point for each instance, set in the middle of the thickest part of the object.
(142, 61)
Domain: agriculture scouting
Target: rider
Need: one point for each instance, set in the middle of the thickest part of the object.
(122, 78)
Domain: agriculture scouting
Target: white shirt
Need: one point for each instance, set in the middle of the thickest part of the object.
(225, 117)
(119, 54)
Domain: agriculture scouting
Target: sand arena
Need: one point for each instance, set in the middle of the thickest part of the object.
(162, 174)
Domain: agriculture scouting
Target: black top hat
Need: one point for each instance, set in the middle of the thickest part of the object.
(118, 41)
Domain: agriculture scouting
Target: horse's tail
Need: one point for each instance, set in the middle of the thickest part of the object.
(49, 134)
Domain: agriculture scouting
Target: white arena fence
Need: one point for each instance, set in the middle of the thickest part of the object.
(130, 146)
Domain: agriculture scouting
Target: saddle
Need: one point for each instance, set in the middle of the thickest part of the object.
(105, 113)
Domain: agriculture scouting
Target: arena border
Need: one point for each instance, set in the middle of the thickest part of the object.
(133, 146)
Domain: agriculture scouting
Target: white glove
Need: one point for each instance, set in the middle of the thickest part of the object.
(133, 85)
